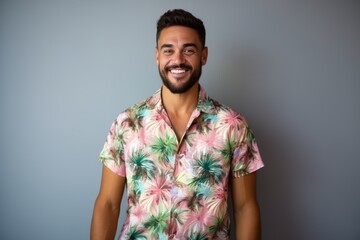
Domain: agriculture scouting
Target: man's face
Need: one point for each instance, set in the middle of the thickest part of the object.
(180, 56)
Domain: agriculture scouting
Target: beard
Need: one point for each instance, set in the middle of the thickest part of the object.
(194, 78)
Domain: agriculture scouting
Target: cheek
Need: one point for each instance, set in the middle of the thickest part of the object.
(161, 66)
(162, 62)
(195, 61)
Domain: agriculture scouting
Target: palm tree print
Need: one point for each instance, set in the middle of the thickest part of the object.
(176, 213)
(133, 197)
(249, 146)
(120, 142)
(203, 124)
(164, 147)
(218, 201)
(136, 234)
(217, 226)
(142, 166)
(157, 224)
(135, 117)
(138, 186)
(116, 141)
(250, 140)
(204, 190)
(228, 149)
(191, 202)
(208, 170)
(198, 236)
(199, 220)
(176, 219)
(157, 193)
(209, 104)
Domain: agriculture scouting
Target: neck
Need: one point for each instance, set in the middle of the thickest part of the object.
(180, 103)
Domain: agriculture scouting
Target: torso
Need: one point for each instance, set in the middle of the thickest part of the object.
(177, 173)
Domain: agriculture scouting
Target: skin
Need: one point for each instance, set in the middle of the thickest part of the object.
(107, 206)
(180, 49)
(246, 208)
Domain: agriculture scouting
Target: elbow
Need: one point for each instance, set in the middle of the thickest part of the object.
(249, 207)
(106, 205)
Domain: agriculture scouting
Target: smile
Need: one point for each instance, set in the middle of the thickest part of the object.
(178, 71)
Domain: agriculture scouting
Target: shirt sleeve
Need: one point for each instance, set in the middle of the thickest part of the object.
(246, 155)
(112, 153)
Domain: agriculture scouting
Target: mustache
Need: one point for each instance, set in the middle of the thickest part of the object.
(183, 66)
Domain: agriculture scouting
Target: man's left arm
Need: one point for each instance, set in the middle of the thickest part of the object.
(246, 208)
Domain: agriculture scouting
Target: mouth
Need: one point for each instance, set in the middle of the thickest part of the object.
(178, 70)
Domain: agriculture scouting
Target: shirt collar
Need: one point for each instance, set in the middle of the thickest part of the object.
(205, 103)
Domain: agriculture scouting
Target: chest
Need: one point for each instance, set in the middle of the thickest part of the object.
(188, 147)
(179, 124)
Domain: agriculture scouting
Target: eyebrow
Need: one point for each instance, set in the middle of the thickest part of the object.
(190, 45)
(166, 46)
(184, 45)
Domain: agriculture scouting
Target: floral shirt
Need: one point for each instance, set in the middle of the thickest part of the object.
(179, 189)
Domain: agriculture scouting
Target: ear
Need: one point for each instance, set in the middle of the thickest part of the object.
(157, 56)
(204, 55)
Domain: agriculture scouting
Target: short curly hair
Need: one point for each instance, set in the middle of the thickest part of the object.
(180, 17)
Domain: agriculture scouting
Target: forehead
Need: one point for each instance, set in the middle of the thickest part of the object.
(178, 35)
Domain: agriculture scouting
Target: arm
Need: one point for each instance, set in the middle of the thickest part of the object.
(107, 206)
(246, 209)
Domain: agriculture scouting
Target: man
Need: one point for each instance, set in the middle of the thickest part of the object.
(178, 152)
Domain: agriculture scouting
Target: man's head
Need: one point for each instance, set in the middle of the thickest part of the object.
(179, 17)
(180, 50)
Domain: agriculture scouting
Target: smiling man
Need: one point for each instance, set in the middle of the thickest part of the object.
(178, 152)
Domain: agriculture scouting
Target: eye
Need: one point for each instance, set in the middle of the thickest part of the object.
(189, 51)
(168, 51)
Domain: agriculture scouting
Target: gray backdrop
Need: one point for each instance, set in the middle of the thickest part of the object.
(292, 68)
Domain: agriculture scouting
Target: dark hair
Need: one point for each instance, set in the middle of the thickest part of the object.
(180, 17)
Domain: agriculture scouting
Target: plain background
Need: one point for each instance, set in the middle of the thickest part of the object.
(292, 68)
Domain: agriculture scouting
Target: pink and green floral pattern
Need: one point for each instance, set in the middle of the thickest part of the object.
(179, 189)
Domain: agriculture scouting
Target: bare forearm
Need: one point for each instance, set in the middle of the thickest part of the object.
(247, 223)
(104, 221)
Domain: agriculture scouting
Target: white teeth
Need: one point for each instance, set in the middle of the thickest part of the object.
(177, 71)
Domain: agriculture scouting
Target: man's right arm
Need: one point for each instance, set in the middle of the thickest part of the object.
(107, 206)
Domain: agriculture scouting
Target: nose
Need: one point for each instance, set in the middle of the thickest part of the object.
(178, 57)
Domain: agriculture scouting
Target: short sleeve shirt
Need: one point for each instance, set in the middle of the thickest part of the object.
(179, 189)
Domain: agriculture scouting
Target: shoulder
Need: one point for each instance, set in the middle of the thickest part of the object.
(227, 113)
(130, 110)
(138, 110)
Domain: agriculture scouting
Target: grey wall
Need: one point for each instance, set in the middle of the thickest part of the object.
(69, 67)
